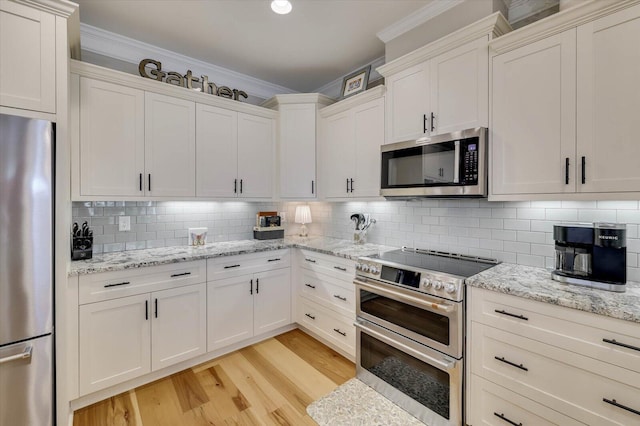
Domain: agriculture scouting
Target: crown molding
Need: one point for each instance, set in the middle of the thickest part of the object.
(332, 89)
(491, 26)
(126, 49)
(62, 8)
(416, 19)
(298, 98)
(557, 23)
(355, 100)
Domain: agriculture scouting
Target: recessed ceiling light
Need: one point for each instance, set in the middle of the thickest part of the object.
(281, 7)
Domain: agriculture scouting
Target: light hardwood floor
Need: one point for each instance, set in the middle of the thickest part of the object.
(269, 383)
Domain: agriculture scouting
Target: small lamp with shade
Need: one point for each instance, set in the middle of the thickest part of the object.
(303, 216)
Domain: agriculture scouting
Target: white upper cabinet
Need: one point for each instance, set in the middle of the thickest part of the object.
(407, 107)
(369, 136)
(170, 146)
(297, 153)
(28, 52)
(609, 102)
(338, 158)
(563, 107)
(255, 156)
(112, 133)
(533, 127)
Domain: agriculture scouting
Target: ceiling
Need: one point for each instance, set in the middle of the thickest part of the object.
(317, 43)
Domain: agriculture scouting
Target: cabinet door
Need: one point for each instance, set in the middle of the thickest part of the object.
(115, 342)
(255, 156)
(369, 136)
(170, 146)
(111, 139)
(272, 303)
(297, 151)
(230, 311)
(217, 152)
(533, 118)
(609, 102)
(179, 329)
(28, 52)
(460, 88)
(338, 155)
(407, 106)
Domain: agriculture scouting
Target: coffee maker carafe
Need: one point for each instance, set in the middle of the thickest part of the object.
(593, 255)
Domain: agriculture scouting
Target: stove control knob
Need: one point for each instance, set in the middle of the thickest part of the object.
(437, 285)
(426, 283)
(358, 266)
(450, 288)
(365, 267)
(374, 270)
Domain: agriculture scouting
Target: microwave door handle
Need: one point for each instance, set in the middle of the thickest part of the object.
(427, 304)
(456, 163)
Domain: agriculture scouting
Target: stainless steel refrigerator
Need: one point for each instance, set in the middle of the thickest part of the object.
(26, 272)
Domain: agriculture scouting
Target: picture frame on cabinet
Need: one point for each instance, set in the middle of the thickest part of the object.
(355, 82)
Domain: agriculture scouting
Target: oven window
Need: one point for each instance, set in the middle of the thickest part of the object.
(429, 324)
(421, 381)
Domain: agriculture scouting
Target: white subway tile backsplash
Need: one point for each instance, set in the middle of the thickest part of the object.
(565, 214)
(593, 215)
(498, 234)
(517, 247)
(507, 213)
(517, 224)
(530, 260)
(531, 237)
(618, 205)
(492, 223)
(531, 213)
(629, 216)
(542, 225)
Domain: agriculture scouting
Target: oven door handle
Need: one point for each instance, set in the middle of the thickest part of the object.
(442, 364)
(426, 304)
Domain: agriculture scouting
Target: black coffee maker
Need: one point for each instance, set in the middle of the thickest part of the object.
(593, 255)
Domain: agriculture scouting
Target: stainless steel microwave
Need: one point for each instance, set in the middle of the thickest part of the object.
(450, 165)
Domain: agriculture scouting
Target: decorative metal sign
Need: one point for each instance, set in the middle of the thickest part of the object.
(187, 80)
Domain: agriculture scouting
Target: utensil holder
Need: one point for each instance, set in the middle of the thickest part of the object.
(360, 237)
(81, 248)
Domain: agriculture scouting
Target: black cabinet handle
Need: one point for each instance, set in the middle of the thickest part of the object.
(424, 123)
(149, 182)
(584, 167)
(274, 260)
(117, 284)
(617, 404)
(235, 186)
(140, 181)
(251, 288)
(513, 364)
(241, 186)
(310, 316)
(156, 307)
(231, 266)
(310, 286)
(180, 275)
(352, 186)
(624, 345)
(566, 171)
(146, 310)
(502, 417)
(347, 185)
(433, 122)
(337, 296)
(257, 285)
(340, 268)
(337, 330)
(312, 188)
(509, 314)
(310, 260)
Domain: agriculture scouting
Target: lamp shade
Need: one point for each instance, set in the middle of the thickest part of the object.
(303, 214)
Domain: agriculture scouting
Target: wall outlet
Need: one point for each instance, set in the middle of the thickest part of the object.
(283, 217)
(124, 223)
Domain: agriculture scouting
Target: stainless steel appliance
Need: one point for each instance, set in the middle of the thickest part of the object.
(450, 165)
(26, 271)
(410, 329)
(592, 255)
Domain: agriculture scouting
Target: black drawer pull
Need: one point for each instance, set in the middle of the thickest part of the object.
(617, 404)
(310, 316)
(257, 285)
(310, 260)
(513, 364)
(180, 275)
(156, 308)
(340, 268)
(231, 266)
(337, 330)
(140, 182)
(274, 260)
(146, 310)
(118, 284)
(337, 296)
(566, 171)
(624, 345)
(503, 312)
(310, 286)
(502, 417)
(584, 168)
(251, 288)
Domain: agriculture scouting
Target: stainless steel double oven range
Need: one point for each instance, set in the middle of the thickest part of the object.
(410, 329)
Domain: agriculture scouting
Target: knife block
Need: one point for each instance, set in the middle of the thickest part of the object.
(81, 248)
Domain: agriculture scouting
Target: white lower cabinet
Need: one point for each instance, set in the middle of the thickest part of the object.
(562, 365)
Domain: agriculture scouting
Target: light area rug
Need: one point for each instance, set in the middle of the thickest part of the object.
(356, 404)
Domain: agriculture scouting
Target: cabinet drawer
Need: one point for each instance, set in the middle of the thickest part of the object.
(564, 381)
(231, 266)
(335, 328)
(328, 291)
(111, 285)
(581, 332)
(338, 267)
(493, 405)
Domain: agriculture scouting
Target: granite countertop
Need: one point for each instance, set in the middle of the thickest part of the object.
(158, 256)
(536, 284)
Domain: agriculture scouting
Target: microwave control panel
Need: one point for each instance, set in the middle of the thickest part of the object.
(469, 159)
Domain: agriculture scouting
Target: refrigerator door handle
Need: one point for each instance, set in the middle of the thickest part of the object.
(26, 354)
